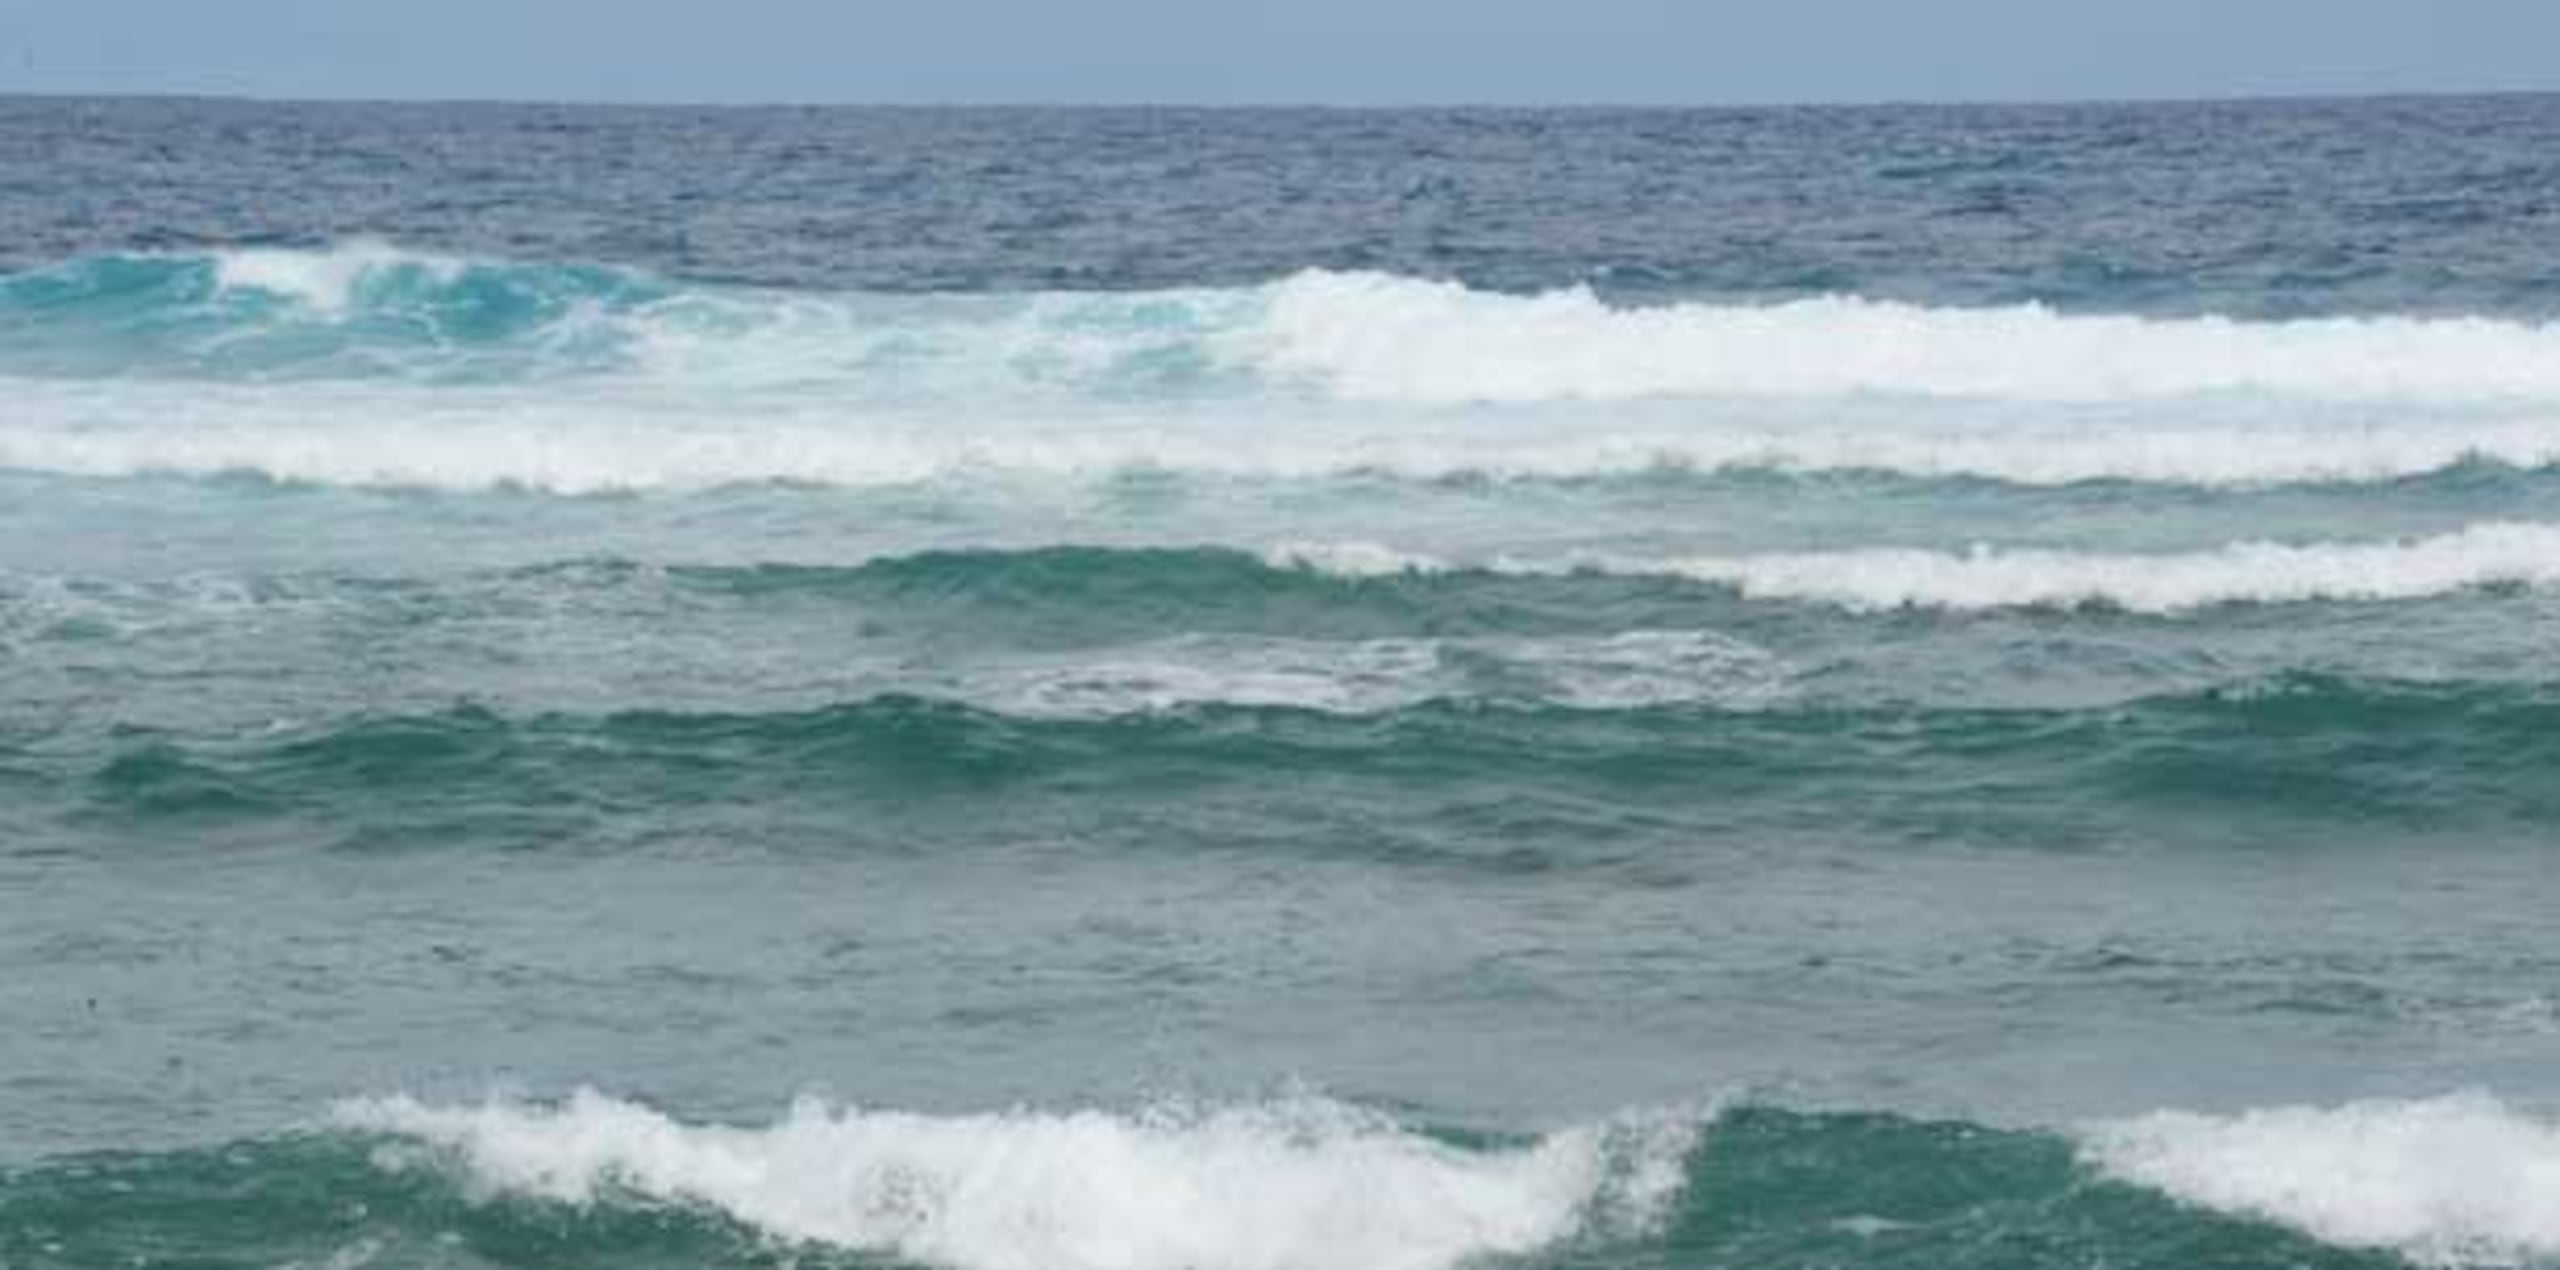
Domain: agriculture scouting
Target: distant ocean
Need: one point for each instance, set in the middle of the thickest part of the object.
(1279, 690)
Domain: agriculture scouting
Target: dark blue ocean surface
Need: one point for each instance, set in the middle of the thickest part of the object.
(2258, 209)
(1279, 690)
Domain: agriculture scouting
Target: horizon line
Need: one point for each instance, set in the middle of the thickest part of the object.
(1346, 107)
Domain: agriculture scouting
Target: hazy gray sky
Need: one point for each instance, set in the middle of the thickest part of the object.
(1221, 51)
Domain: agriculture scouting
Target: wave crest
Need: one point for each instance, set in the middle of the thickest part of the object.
(370, 365)
(1985, 577)
(1289, 1185)
(1365, 336)
(599, 440)
(2456, 1180)
(1401, 339)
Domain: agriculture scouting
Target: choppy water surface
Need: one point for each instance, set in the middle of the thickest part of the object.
(1156, 690)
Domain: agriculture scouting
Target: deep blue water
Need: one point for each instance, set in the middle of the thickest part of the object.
(1260, 690)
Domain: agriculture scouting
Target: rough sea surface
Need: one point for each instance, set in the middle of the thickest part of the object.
(1279, 690)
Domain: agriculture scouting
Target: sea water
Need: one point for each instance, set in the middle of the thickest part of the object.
(1279, 690)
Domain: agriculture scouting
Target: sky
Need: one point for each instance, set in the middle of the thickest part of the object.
(1337, 52)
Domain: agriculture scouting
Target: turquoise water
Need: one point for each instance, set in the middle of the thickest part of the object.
(1266, 690)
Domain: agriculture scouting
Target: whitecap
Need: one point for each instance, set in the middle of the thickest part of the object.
(1382, 337)
(1296, 1184)
(2463, 1179)
(1991, 577)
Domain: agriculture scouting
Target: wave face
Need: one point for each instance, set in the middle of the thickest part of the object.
(2290, 761)
(358, 311)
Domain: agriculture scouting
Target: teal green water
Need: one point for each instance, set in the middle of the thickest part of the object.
(1034, 690)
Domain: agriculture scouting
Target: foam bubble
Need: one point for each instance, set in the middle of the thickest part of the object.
(1986, 577)
(1299, 1184)
(2461, 1179)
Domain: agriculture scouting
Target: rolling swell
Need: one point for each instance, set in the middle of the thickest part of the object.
(1333, 595)
(2299, 750)
(1289, 1185)
(1982, 577)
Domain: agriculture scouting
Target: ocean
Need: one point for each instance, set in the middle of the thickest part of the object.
(1146, 689)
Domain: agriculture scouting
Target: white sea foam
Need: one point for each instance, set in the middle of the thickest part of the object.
(577, 440)
(618, 434)
(1382, 337)
(2462, 1179)
(1990, 577)
(656, 384)
(1299, 1184)
(1353, 559)
(326, 281)
(1402, 339)
(576, 457)
(1627, 670)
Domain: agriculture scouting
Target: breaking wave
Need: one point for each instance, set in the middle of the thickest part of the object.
(1358, 335)
(2463, 1179)
(1986, 577)
(366, 364)
(1304, 1181)
(1376, 336)
(610, 438)
(1289, 1185)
